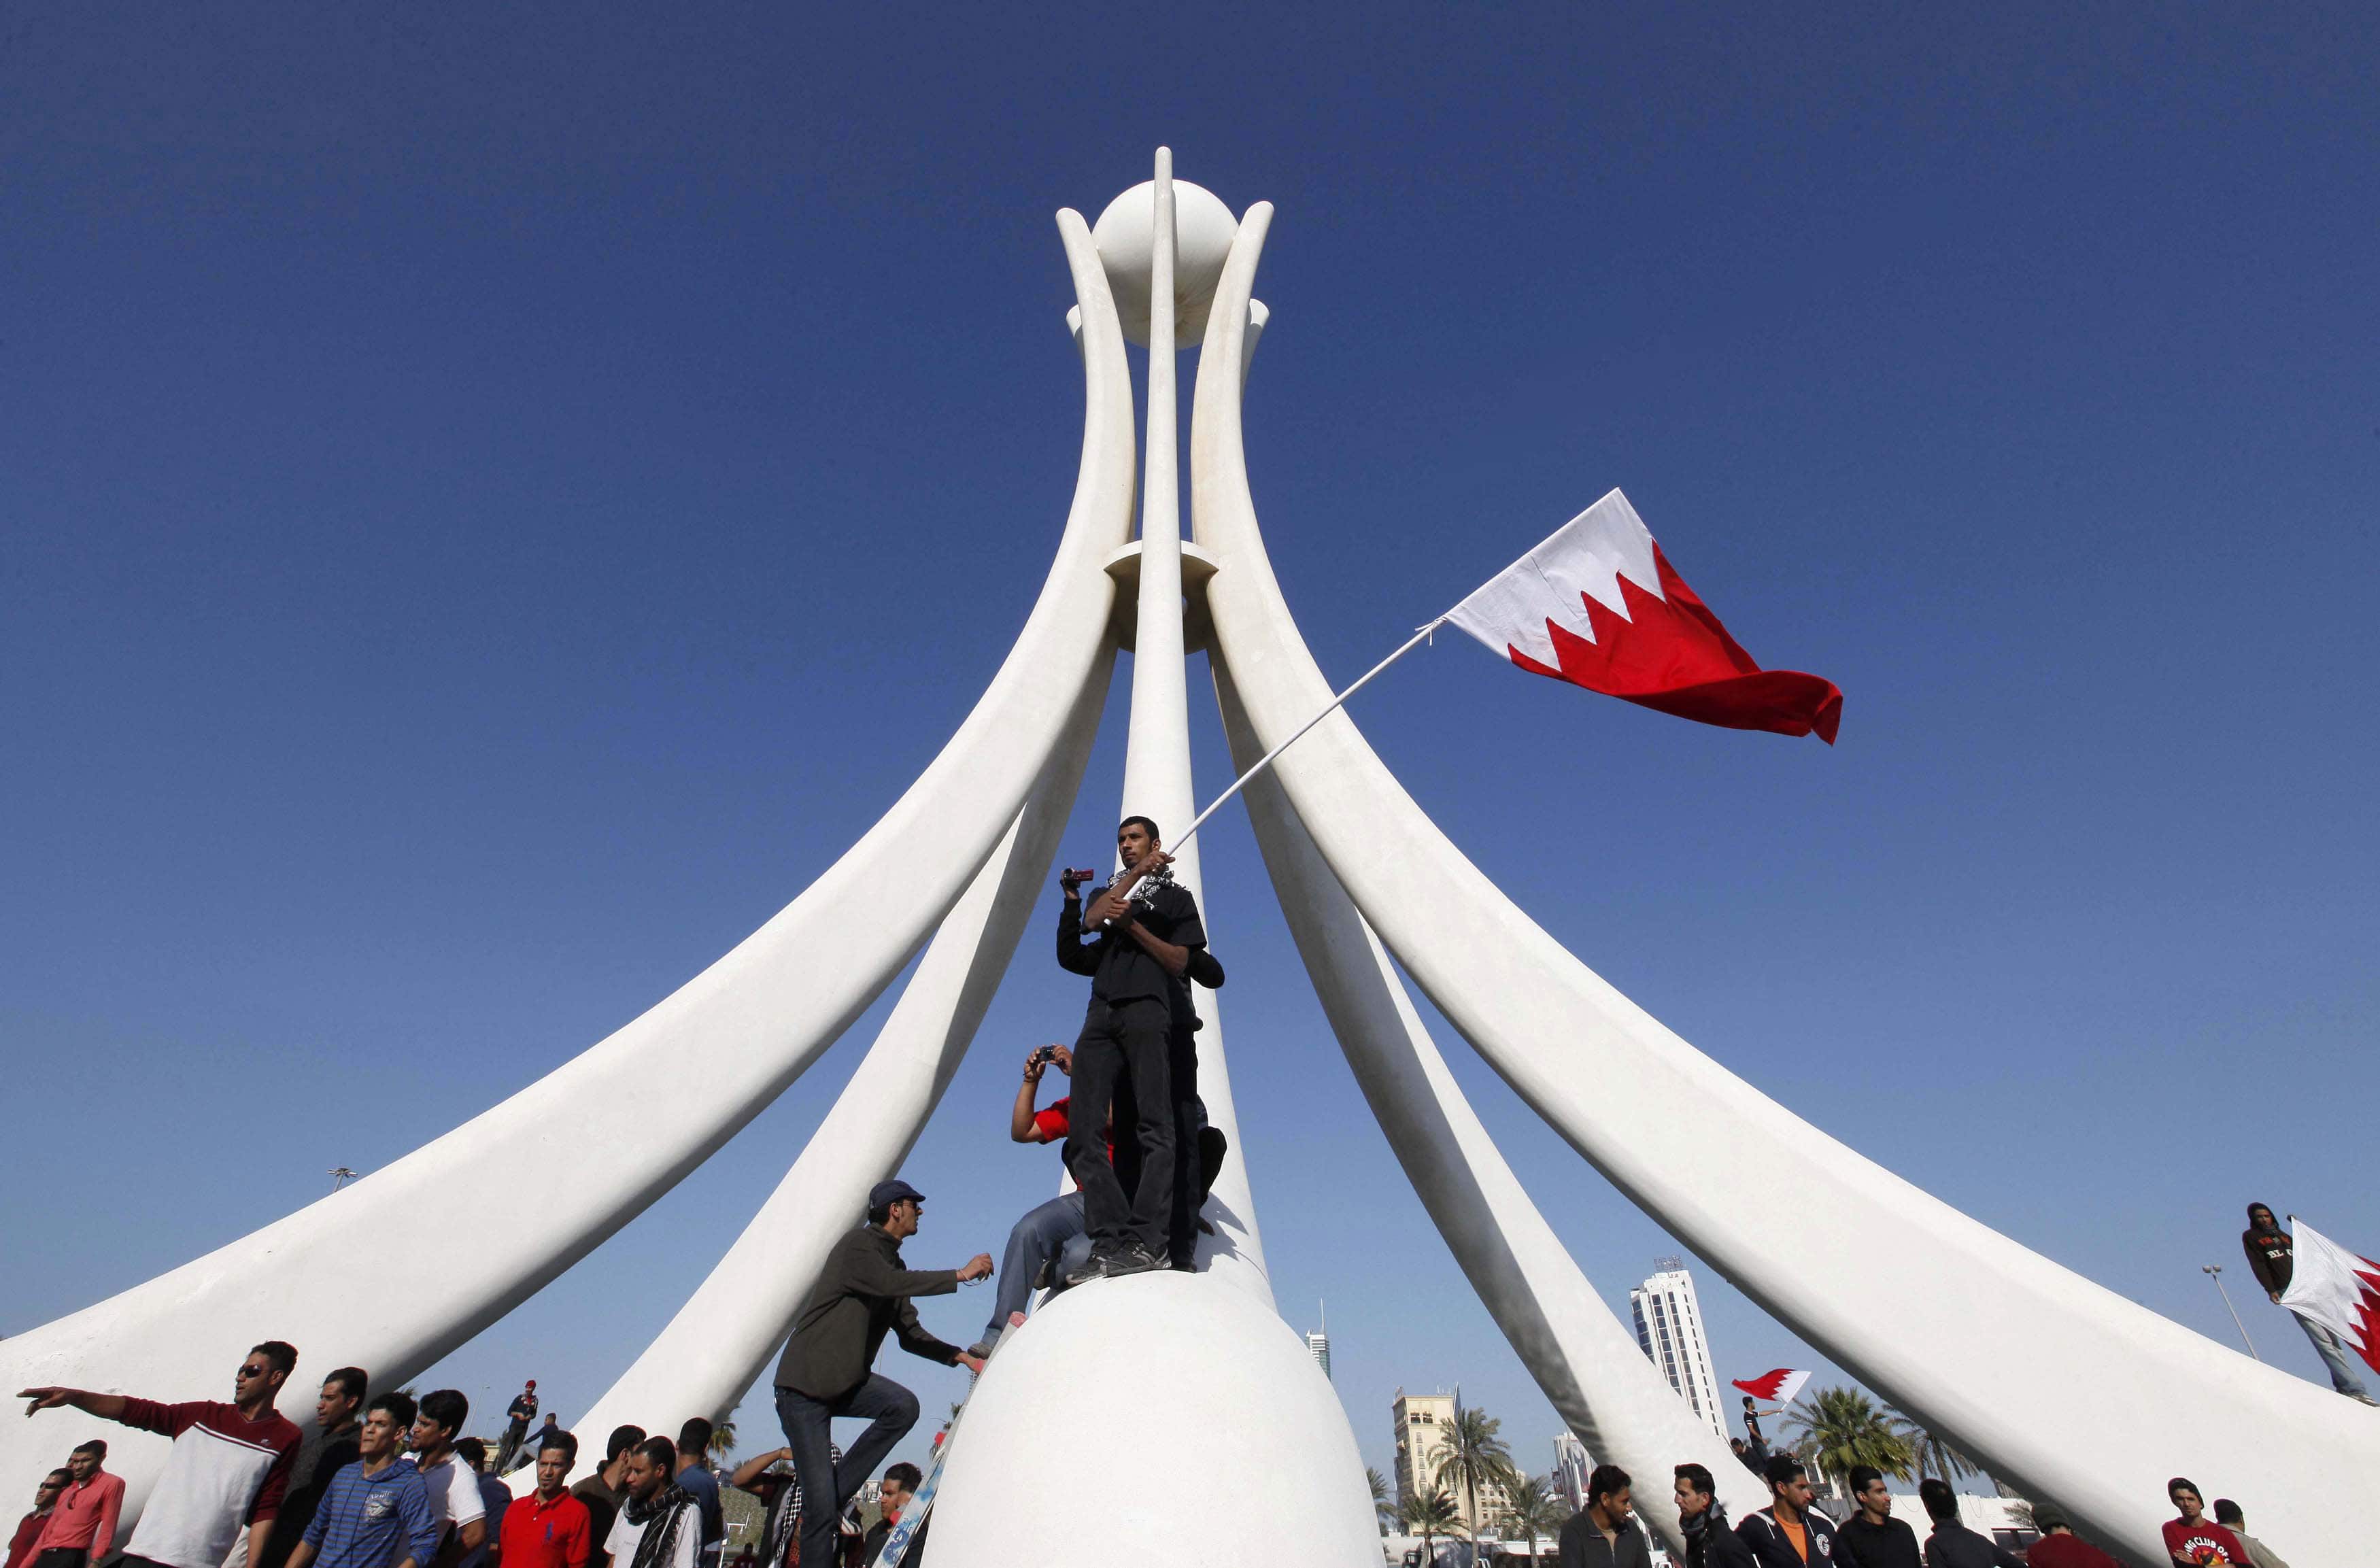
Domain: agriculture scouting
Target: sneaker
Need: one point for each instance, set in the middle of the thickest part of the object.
(2365, 1398)
(981, 1350)
(1097, 1266)
(1135, 1260)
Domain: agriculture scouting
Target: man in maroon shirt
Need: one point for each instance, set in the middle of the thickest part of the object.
(2060, 1546)
(28, 1529)
(228, 1469)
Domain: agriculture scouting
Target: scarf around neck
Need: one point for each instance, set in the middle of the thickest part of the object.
(662, 1518)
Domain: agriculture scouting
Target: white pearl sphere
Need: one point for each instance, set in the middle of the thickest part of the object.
(1126, 235)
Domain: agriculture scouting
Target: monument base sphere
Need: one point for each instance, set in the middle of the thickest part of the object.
(1157, 1419)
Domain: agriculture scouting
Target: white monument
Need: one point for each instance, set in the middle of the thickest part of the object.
(2066, 1391)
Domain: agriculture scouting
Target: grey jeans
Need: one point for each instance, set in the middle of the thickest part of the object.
(2333, 1356)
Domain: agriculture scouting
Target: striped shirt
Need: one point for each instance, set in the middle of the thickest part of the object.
(375, 1521)
(225, 1471)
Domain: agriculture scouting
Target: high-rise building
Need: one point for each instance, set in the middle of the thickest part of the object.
(1317, 1343)
(1422, 1421)
(1669, 1329)
(1572, 1465)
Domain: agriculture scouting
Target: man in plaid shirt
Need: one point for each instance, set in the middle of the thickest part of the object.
(376, 1514)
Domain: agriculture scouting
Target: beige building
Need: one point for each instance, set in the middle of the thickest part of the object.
(1422, 1421)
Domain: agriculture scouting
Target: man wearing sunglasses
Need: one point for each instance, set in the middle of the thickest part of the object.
(228, 1471)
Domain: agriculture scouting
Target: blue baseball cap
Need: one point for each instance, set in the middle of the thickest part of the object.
(884, 1195)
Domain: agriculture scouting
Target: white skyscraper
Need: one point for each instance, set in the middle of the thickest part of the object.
(1319, 1342)
(1670, 1329)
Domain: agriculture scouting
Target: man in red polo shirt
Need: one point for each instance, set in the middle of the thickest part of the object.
(549, 1528)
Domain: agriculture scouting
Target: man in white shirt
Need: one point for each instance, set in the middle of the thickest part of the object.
(660, 1525)
(453, 1486)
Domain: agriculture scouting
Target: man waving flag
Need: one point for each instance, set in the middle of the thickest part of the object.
(1599, 606)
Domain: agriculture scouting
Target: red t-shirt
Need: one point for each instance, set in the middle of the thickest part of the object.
(1053, 1122)
(2206, 1541)
(538, 1534)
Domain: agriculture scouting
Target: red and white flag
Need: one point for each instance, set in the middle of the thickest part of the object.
(2336, 1288)
(1599, 606)
(1779, 1386)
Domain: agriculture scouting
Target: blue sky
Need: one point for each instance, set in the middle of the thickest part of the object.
(493, 506)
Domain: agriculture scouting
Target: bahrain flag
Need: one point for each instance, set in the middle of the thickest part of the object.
(2336, 1288)
(1780, 1385)
(1599, 606)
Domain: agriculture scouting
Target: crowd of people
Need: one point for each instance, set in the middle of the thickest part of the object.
(384, 1480)
(1793, 1532)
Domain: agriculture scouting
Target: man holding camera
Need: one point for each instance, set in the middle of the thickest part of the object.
(1142, 929)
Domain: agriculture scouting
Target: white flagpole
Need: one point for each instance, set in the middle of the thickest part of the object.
(1266, 759)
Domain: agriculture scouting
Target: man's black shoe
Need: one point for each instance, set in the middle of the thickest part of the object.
(1097, 1266)
(1135, 1260)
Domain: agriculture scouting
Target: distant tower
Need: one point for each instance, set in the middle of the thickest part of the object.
(1572, 1465)
(1669, 1329)
(1319, 1342)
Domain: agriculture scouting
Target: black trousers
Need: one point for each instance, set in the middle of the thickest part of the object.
(1123, 1061)
(63, 1557)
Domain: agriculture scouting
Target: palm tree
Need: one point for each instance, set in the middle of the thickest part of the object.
(1934, 1453)
(1537, 1510)
(722, 1437)
(1837, 1427)
(1433, 1516)
(1382, 1506)
(1475, 1455)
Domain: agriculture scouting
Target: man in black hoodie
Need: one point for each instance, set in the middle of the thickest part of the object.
(2273, 1256)
(1710, 1542)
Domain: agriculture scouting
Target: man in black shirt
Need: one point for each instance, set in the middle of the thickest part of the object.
(1144, 929)
(862, 1294)
(2273, 1256)
(1873, 1537)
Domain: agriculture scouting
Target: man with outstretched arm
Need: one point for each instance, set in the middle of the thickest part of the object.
(862, 1294)
(1142, 928)
(228, 1471)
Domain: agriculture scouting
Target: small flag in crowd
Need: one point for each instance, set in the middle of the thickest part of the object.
(1599, 606)
(2336, 1288)
(1780, 1385)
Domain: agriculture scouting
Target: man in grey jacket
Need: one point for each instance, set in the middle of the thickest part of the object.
(862, 1294)
(1605, 1534)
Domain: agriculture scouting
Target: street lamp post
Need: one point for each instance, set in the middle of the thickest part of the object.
(2214, 1272)
(340, 1177)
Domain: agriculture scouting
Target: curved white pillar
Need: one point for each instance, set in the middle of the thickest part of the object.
(1590, 1367)
(2070, 1392)
(733, 1324)
(615, 1128)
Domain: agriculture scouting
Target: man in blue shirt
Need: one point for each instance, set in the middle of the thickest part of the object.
(694, 1477)
(377, 1512)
